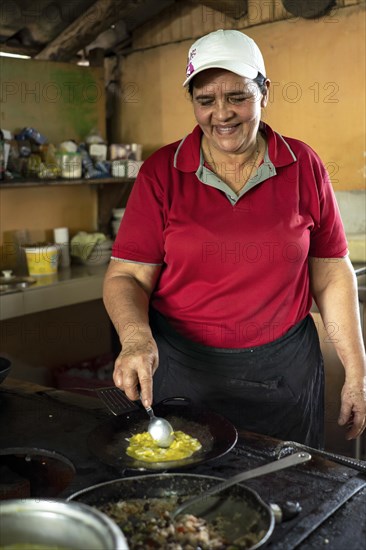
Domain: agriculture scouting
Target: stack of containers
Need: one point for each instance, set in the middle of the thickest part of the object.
(61, 238)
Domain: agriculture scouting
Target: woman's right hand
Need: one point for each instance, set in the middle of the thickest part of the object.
(135, 366)
(127, 290)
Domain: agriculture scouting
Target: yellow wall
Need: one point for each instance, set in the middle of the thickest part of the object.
(46, 208)
(62, 101)
(41, 209)
(317, 69)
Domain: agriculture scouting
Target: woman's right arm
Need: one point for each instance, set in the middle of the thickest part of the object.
(126, 294)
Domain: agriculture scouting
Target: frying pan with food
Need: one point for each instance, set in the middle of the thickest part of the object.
(217, 435)
(236, 506)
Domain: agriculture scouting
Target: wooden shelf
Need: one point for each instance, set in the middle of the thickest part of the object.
(112, 192)
(13, 184)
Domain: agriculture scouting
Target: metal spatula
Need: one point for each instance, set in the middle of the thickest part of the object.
(117, 402)
(113, 398)
(199, 505)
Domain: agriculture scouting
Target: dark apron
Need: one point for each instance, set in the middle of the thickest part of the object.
(276, 389)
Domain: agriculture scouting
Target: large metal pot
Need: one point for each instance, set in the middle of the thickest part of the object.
(56, 523)
(238, 504)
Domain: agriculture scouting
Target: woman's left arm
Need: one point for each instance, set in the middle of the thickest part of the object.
(334, 288)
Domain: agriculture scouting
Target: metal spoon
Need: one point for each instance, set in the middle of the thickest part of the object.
(191, 506)
(160, 429)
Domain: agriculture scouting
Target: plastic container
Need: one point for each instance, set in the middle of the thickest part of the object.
(41, 259)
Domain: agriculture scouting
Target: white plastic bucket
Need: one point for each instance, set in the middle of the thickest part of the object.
(41, 259)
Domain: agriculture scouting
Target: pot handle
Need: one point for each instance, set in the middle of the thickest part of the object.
(285, 511)
(281, 464)
(181, 400)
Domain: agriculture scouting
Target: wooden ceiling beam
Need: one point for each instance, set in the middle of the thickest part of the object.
(99, 17)
(19, 49)
(231, 8)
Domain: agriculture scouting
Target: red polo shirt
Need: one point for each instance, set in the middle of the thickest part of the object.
(234, 270)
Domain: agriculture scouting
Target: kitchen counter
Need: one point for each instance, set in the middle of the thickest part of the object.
(332, 497)
(68, 286)
(76, 285)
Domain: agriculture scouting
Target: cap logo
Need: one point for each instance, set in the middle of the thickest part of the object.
(190, 67)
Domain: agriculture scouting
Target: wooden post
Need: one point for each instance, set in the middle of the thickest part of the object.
(96, 57)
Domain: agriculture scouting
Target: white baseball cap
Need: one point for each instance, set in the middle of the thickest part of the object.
(225, 49)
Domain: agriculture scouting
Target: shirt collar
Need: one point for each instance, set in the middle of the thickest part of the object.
(187, 155)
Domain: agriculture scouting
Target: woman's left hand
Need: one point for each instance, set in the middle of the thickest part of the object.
(353, 408)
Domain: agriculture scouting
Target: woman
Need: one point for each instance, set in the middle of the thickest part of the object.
(228, 236)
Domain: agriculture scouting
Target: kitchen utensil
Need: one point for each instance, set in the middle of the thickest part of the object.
(200, 504)
(113, 398)
(159, 429)
(217, 435)
(56, 523)
(117, 402)
(286, 447)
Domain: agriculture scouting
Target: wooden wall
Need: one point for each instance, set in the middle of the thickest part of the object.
(61, 100)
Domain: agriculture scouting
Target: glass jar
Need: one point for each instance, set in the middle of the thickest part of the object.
(70, 164)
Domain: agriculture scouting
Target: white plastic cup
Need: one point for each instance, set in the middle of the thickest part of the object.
(61, 238)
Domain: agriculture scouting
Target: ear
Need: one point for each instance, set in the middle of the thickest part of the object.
(265, 96)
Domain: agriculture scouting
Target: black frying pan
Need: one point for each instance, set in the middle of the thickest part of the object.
(216, 434)
(238, 504)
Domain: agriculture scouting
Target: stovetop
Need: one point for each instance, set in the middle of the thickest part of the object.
(42, 420)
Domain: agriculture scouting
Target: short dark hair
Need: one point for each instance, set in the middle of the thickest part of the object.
(260, 80)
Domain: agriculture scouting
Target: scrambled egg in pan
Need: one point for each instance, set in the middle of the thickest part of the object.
(143, 447)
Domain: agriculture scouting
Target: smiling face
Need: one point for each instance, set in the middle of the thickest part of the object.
(228, 109)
